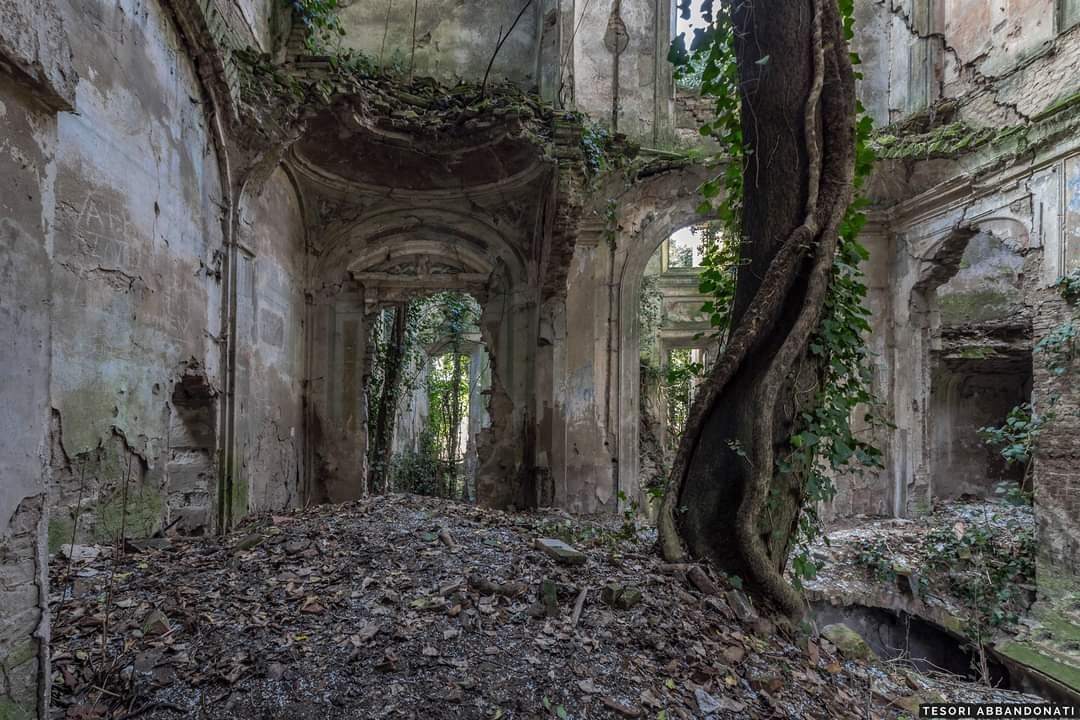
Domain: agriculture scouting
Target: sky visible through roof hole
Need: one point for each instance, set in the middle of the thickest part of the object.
(695, 20)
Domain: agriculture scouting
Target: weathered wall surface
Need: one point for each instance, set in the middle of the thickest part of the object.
(136, 273)
(620, 73)
(36, 81)
(446, 39)
(584, 471)
(34, 46)
(1001, 63)
(26, 165)
(966, 396)
(1057, 482)
(608, 59)
(270, 349)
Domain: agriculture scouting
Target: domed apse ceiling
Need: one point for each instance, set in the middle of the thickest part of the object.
(391, 158)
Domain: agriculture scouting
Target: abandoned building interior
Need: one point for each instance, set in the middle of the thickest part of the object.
(219, 238)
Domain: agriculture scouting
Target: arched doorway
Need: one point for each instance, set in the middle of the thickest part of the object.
(386, 262)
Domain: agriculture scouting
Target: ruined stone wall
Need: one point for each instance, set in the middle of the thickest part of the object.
(446, 39)
(1057, 482)
(584, 472)
(36, 81)
(136, 272)
(27, 168)
(691, 112)
(608, 59)
(996, 63)
(972, 263)
(271, 347)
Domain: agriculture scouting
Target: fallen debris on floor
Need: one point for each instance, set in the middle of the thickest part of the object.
(968, 569)
(364, 610)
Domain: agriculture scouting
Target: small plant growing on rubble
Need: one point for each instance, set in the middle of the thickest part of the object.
(985, 566)
(1069, 286)
(874, 555)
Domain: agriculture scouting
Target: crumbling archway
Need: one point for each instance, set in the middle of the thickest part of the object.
(390, 257)
(970, 349)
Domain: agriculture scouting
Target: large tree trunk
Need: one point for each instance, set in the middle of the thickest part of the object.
(386, 414)
(726, 501)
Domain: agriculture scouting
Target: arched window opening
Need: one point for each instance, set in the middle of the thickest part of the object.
(677, 344)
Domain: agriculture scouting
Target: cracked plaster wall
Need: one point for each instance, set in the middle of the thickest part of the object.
(112, 295)
(270, 363)
(36, 81)
(137, 266)
(1001, 63)
(27, 147)
(454, 39)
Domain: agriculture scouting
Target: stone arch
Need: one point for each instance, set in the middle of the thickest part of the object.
(395, 253)
(451, 235)
(656, 210)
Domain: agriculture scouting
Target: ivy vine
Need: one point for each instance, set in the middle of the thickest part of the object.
(321, 20)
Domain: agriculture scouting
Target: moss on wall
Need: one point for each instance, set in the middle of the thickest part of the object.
(945, 141)
(59, 533)
(13, 711)
(21, 653)
(144, 514)
(1060, 103)
(241, 493)
(977, 306)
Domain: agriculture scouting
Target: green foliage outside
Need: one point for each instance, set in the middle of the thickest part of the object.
(680, 381)
(433, 467)
(321, 20)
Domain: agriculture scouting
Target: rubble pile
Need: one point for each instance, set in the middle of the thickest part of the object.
(402, 606)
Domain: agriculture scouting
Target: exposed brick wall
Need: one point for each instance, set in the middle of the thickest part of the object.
(22, 597)
(1001, 66)
(1057, 481)
(691, 110)
(214, 29)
